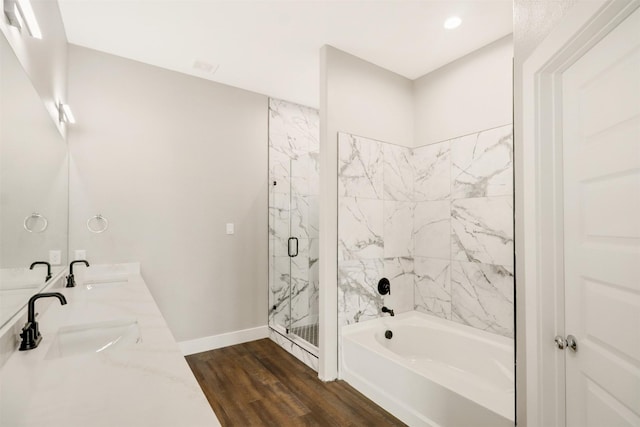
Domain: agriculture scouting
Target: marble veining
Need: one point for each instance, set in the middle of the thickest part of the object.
(433, 286)
(432, 165)
(360, 228)
(375, 227)
(482, 164)
(398, 229)
(400, 272)
(482, 230)
(432, 229)
(360, 167)
(398, 174)
(482, 296)
(430, 207)
(358, 298)
(279, 289)
(293, 212)
(293, 129)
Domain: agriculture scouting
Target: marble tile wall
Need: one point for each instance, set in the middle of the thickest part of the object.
(436, 220)
(464, 230)
(375, 215)
(293, 211)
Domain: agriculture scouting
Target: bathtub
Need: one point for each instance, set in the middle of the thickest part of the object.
(432, 372)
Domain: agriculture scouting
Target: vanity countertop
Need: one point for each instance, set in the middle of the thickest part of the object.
(144, 384)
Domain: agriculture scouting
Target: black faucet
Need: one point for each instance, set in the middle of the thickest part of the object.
(43, 263)
(388, 310)
(71, 281)
(30, 333)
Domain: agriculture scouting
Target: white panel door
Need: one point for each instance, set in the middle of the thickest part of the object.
(601, 143)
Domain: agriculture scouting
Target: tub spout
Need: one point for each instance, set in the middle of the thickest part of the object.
(388, 310)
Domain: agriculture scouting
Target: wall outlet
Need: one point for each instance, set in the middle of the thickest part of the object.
(80, 254)
(230, 228)
(55, 257)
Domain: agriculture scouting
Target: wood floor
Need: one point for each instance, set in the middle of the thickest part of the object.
(260, 384)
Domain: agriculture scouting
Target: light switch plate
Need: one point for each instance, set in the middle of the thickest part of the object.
(55, 257)
(80, 254)
(230, 228)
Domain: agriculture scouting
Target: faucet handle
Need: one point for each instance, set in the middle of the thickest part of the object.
(71, 281)
(30, 335)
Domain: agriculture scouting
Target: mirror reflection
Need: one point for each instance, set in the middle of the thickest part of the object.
(33, 189)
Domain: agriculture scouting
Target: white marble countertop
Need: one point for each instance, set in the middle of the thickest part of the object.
(143, 384)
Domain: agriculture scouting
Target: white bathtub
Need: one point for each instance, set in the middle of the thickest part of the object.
(432, 372)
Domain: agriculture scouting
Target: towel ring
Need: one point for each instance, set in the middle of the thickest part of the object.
(98, 217)
(37, 217)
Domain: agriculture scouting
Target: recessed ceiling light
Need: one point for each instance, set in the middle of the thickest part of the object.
(452, 22)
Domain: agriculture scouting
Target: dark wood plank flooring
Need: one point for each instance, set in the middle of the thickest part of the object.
(260, 384)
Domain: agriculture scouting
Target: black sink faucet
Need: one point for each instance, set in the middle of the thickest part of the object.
(42, 263)
(71, 281)
(30, 332)
(388, 310)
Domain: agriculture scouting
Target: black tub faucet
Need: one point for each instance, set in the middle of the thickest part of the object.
(388, 310)
(71, 281)
(31, 336)
(42, 263)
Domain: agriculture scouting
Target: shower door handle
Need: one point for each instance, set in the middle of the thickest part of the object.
(292, 243)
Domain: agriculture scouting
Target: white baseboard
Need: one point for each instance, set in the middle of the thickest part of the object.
(223, 340)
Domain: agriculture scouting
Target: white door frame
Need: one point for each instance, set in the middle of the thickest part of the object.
(539, 218)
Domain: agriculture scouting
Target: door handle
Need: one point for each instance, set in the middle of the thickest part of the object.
(291, 246)
(571, 342)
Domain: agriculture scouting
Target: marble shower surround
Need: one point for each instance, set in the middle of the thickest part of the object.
(465, 185)
(293, 211)
(436, 220)
(375, 227)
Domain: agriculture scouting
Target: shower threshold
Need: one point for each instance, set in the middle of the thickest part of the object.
(291, 335)
(308, 333)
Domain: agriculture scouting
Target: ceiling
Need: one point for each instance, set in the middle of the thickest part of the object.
(272, 47)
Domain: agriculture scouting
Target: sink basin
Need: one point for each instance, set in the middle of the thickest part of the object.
(95, 285)
(95, 338)
(106, 281)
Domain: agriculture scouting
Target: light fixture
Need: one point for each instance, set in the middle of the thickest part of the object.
(64, 114)
(20, 15)
(452, 22)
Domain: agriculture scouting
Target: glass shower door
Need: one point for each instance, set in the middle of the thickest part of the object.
(292, 291)
(279, 255)
(293, 222)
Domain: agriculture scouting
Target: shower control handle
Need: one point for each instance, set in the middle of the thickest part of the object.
(384, 286)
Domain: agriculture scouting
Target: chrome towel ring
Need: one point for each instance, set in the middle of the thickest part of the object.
(35, 217)
(98, 219)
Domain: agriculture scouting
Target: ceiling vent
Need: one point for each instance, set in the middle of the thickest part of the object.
(205, 67)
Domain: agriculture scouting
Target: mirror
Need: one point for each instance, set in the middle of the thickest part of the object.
(33, 187)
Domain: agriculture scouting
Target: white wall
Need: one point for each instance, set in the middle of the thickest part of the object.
(44, 60)
(363, 99)
(169, 159)
(468, 95)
